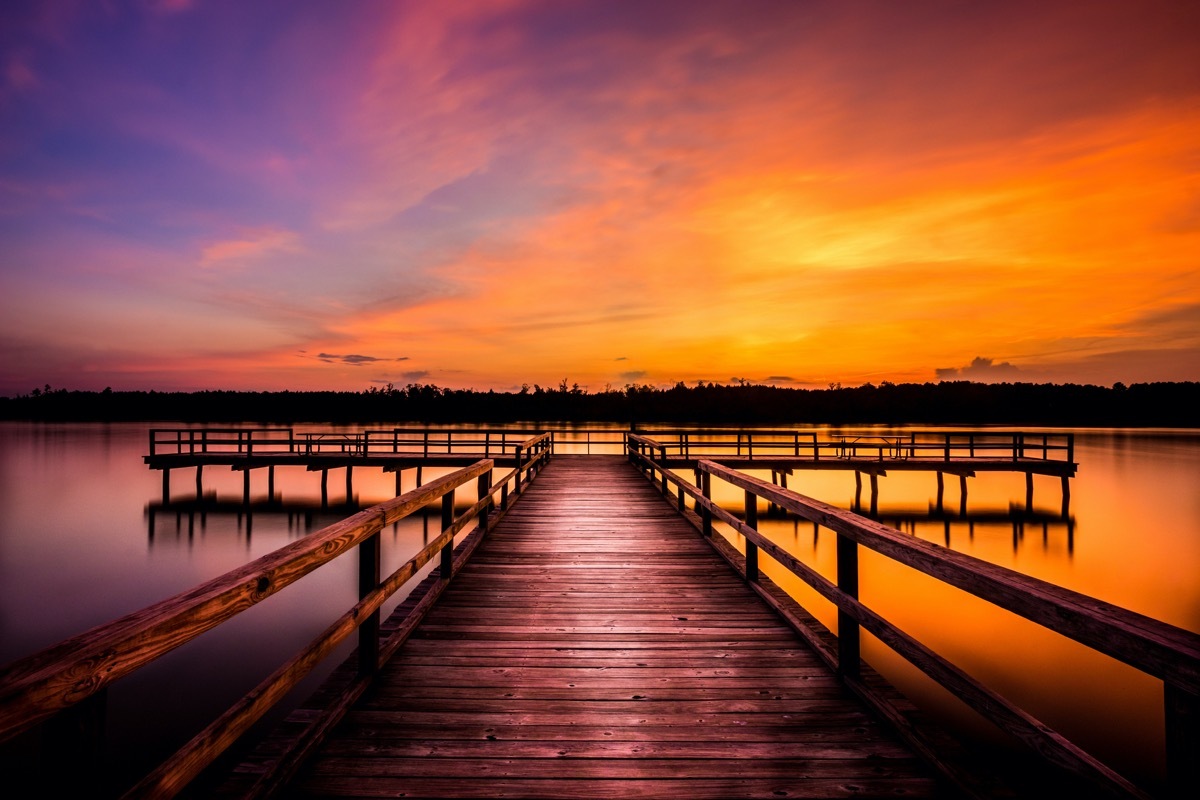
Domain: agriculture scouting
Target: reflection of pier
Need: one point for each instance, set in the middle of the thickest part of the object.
(579, 637)
(191, 515)
(1016, 518)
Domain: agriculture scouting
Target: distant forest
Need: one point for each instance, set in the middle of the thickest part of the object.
(948, 402)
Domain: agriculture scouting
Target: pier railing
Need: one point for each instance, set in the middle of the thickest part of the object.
(77, 671)
(928, 445)
(1168, 653)
(286, 441)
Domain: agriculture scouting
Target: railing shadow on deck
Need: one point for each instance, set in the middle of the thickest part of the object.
(1156, 648)
(72, 676)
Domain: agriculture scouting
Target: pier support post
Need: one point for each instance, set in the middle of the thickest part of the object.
(166, 486)
(349, 484)
(1183, 740)
(368, 580)
(1028, 492)
(941, 491)
(484, 485)
(962, 495)
(271, 484)
(874, 493)
(324, 488)
(419, 476)
(199, 481)
(1066, 497)
(246, 486)
(447, 521)
(399, 481)
(751, 547)
(847, 580)
(857, 491)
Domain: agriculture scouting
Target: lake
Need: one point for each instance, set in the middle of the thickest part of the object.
(84, 539)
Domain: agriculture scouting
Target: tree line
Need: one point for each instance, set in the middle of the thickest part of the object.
(946, 402)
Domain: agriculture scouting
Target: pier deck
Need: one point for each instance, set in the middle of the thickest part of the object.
(595, 646)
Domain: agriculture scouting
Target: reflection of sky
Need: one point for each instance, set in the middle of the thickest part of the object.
(204, 194)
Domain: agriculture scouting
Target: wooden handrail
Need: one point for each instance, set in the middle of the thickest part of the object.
(1016, 446)
(1164, 651)
(39, 686)
(1159, 649)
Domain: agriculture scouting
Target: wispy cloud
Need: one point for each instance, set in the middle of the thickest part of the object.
(354, 359)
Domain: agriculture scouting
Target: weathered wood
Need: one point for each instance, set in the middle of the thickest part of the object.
(1154, 647)
(593, 641)
(1180, 658)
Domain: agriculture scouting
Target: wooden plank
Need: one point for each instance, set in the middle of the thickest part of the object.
(596, 647)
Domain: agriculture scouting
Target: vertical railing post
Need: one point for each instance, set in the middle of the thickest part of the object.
(520, 463)
(751, 547)
(448, 548)
(1183, 740)
(847, 579)
(706, 512)
(662, 467)
(368, 581)
(947, 447)
(484, 485)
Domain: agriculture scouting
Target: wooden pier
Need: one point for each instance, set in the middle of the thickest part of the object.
(594, 646)
(591, 630)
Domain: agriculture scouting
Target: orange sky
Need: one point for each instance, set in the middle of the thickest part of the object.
(196, 195)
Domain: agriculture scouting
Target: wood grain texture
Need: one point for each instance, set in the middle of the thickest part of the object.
(594, 646)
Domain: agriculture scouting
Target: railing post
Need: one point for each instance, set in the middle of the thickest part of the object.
(847, 579)
(662, 467)
(706, 512)
(368, 580)
(484, 485)
(520, 463)
(947, 447)
(751, 547)
(1183, 740)
(448, 548)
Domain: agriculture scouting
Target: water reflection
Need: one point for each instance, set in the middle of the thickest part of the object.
(946, 527)
(181, 519)
(85, 538)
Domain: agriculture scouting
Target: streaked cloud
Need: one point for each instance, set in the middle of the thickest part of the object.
(513, 191)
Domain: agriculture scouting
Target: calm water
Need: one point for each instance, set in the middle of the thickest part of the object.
(83, 540)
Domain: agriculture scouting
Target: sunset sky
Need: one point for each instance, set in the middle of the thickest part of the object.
(337, 195)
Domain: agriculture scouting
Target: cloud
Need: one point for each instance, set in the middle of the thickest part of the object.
(355, 359)
(415, 375)
(255, 244)
(621, 358)
(980, 369)
(632, 375)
